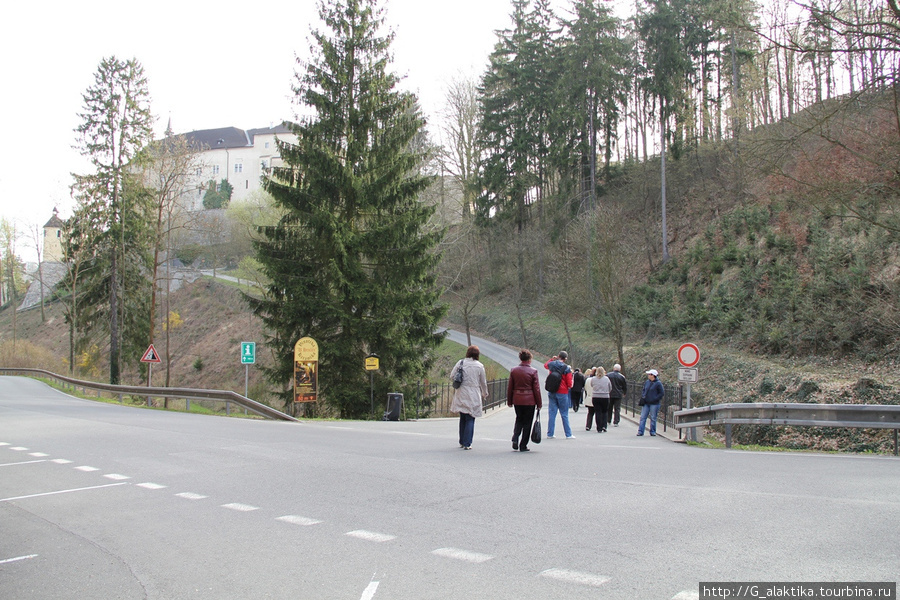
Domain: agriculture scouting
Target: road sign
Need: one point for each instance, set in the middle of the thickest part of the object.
(688, 355)
(151, 355)
(688, 375)
(371, 363)
(248, 353)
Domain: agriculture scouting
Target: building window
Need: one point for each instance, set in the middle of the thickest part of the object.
(215, 169)
(238, 167)
(264, 165)
(267, 144)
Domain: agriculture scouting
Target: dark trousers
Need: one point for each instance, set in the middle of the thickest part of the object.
(524, 419)
(466, 429)
(597, 412)
(615, 404)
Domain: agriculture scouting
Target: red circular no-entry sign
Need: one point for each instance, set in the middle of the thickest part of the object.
(688, 355)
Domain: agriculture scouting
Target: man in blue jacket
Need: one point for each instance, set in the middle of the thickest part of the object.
(651, 397)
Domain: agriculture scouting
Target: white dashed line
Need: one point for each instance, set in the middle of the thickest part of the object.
(297, 520)
(190, 496)
(369, 592)
(61, 461)
(686, 596)
(370, 536)
(457, 554)
(18, 448)
(37, 454)
(151, 486)
(575, 577)
(86, 469)
(4, 443)
(94, 487)
(27, 462)
(240, 507)
(116, 476)
(9, 560)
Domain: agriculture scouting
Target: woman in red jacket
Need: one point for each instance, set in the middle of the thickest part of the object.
(523, 392)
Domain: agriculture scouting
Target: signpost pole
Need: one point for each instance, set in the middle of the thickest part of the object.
(246, 380)
(372, 390)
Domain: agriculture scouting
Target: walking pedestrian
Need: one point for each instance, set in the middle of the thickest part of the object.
(559, 400)
(577, 391)
(651, 397)
(616, 394)
(599, 391)
(467, 400)
(524, 393)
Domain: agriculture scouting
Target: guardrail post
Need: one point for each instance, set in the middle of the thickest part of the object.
(895, 443)
(120, 398)
(227, 407)
(728, 435)
(187, 405)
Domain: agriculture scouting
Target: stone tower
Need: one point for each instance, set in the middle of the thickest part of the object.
(52, 239)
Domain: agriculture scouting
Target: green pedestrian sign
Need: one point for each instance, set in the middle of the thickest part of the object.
(248, 353)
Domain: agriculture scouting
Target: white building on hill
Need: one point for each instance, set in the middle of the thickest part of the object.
(237, 156)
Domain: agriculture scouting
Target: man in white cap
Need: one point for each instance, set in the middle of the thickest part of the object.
(651, 397)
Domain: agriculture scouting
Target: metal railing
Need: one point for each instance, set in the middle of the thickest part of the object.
(186, 394)
(858, 416)
(433, 399)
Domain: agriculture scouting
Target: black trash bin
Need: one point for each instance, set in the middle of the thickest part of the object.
(394, 404)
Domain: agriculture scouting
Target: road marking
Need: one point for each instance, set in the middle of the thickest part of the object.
(240, 507)
(116, 476)
(191, 496)
(18, 448)
(369, 592)
(86, 469)
(94, 487)
(575, 577)
(61, 461)
(27, 462)
(297, 520)
(371, 536)
(9, 560)
(37, 454)
(457, 554)
(4, 443)
(686, 596)
(150, 486)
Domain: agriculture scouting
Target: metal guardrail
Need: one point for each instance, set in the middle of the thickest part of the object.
(187, 394)
(859, 416)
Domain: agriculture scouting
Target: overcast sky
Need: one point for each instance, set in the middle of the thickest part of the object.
(208, 64)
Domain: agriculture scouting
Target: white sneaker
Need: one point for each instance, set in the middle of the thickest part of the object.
(570, 437)
(549, 437)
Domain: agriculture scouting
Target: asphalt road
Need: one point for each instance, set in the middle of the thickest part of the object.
(104, 501)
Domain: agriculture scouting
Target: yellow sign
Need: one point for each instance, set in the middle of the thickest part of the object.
(371, 363)
(306, 370)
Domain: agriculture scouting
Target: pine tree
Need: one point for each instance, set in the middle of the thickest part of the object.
(116, 125)
(351, 263)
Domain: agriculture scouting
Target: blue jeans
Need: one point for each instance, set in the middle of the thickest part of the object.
(466, 429)
(559, 403)
(653, 411)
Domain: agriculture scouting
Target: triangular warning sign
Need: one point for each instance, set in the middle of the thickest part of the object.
(151, 355)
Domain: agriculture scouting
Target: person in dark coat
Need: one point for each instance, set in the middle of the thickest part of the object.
(577, 391)
(651, 397)
(616, 394)
(524, 393)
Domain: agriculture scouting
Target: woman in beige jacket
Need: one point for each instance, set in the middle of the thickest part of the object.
(467, 400)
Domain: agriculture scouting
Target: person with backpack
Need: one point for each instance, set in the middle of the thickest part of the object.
(558, 384)
(467, 399)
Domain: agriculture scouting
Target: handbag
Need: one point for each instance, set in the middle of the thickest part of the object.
(458, 377)
(536, 429)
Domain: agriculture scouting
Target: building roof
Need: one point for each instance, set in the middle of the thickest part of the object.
(223, 137)
(54, 221)
(276, 130)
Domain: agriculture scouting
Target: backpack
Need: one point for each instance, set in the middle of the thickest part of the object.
(458, 377)
(554, 380)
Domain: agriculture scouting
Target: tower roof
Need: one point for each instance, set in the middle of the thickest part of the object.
(54, 221)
